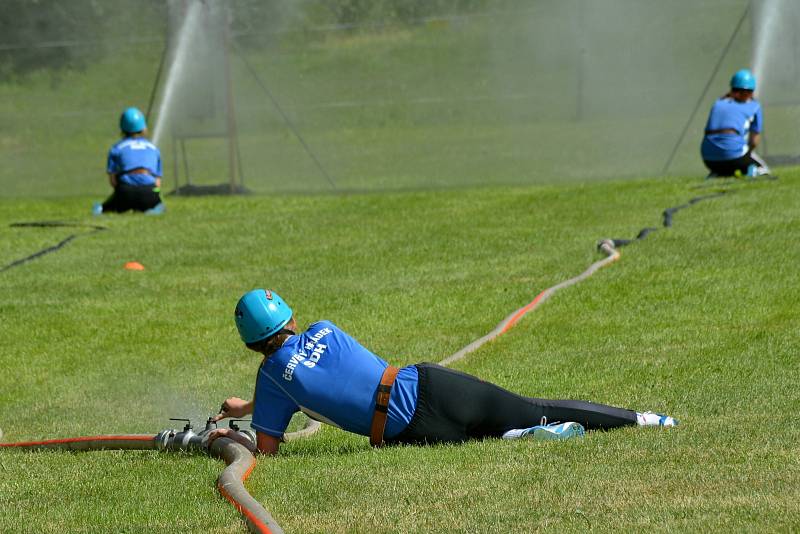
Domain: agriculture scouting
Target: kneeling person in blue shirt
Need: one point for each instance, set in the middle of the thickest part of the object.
(134, 169)
(329, 376)
(733, 131)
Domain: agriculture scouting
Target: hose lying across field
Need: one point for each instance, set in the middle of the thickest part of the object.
(50, 224)
(612, 255)
(607, 246)
(240, 463)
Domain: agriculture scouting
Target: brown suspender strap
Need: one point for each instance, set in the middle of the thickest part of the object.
(723, 131)
(382, 406)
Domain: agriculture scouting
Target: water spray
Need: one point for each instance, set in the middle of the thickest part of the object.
(766, 28)
(186, 34)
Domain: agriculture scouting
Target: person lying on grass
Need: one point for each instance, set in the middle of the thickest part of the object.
(329, 376)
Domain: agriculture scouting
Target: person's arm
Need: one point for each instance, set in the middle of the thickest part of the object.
(159, 173)
(756, 127)
(234, 407)
(112, 168)
(267, 444)
(755, 138)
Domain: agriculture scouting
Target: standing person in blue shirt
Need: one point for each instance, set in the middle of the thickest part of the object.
(332, 378)
(134, 169)
(733, 131)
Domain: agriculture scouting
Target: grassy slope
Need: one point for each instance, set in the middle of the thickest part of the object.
(699, 321)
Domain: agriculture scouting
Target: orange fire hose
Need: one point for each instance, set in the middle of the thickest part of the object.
(240, 463)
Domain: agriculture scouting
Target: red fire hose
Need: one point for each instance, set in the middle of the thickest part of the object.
(240, 462)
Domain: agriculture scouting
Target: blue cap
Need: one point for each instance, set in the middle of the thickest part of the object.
(132, 121)
(743, 79)
(260, 314)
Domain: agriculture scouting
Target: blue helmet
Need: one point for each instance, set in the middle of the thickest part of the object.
(743, 79)
(132, 121)
(259, 314)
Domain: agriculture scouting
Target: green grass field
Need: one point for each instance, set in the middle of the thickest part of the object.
(470, 155)
(699, 321)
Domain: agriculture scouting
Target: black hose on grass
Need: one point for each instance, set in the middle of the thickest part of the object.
(50, 224)
(667, 221)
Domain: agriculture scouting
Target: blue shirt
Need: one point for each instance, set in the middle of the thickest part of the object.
(329, 376)
(134, 153)
(727, 113)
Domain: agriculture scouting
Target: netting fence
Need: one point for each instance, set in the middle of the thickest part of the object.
(342, 95)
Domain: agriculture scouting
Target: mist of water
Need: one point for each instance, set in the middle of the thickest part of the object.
(540, 82)
(188, 32)
(766, 31)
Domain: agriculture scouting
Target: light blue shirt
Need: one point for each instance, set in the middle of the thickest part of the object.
(727, 113)
(134, 153)
(332, 378)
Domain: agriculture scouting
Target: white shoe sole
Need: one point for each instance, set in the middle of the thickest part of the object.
(562, 432)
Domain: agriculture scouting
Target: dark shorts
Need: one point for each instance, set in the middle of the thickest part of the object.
(132, 197)
(729, 167)
(455, 407)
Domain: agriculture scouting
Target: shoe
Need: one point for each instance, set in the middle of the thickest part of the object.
(158, 209)
(760, 170)
(97, 208)
(655, 419)
(555, 431)
(545, 432)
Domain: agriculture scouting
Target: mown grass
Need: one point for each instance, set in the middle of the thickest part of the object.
(699, 321)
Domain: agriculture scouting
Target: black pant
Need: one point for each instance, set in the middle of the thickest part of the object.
(730, 166)
(454, 407)
(132, 197)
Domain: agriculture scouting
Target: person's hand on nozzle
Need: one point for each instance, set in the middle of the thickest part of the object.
(234, 407)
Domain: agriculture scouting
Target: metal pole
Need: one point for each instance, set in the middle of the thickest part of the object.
(154, 90)
(705, 89)
(229, 108)
(579, 111)
(579, 107)
(239, 166)
(757, 14)
(185, 161)
(175, 168)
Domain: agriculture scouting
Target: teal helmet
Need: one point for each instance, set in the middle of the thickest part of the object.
(260, 314)
(132, 121)
(743, 79)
